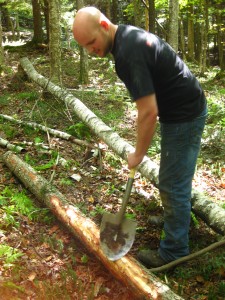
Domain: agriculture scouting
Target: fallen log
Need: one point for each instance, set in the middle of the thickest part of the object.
(9, 146)
(211, 213)
(147, 168)
(54, 132)
(142, 283)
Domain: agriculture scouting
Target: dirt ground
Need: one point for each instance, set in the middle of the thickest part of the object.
(49, 249)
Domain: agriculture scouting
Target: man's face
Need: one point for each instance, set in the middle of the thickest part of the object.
(96, 41)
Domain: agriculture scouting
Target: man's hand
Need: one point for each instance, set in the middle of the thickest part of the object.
(134, 160)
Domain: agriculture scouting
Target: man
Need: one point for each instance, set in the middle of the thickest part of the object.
(163, 87)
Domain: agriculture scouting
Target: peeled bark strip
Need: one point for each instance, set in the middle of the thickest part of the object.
(209, 212)
(57, 133)
(10, 146)
(147, 168)
(142, 283)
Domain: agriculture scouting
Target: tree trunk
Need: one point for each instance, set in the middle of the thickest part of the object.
(115, 11)
(37, 22)
(204, 36)
(45, 8)
(84, 67)
(151, 12)
(147, 168)
(221, 35)
(1, 47)
(173, 24)
(138, 12)
(143, 284)
(190, 47)
(55, 41)
(182, 39)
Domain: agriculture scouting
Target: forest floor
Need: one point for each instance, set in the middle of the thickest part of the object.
(53, 263)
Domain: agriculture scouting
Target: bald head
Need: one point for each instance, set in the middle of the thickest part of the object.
(92, 30)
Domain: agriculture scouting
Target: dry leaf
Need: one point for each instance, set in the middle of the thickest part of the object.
(91, 199)
(32, 276)
(53, 229)
(48, 258)
(200, 279)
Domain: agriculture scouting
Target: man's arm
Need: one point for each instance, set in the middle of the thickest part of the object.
(146, 123)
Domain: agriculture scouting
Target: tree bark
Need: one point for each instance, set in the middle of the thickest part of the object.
(173, 24)
(8, 145)
(1, 47)
(190, 45)
(209, 212)
(147, 168)
(54, 132)
(37, 22)
(84, 65)
(142, 283)
(55, 41)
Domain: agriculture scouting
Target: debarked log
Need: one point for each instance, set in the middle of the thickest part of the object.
(142, 283)
(147, 168)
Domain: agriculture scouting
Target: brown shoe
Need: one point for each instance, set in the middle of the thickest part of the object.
(150, 258)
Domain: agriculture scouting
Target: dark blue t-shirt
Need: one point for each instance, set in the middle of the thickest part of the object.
(148, 65)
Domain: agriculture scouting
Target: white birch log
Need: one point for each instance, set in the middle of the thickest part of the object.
(9, 146)
(147, 168)
(54, 132)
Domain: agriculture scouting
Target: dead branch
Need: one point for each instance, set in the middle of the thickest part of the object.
(188, 257)
(54, 132)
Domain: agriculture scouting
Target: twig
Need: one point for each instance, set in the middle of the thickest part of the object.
(189, 257)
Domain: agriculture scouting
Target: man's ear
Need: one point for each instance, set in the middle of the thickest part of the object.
(104, 24)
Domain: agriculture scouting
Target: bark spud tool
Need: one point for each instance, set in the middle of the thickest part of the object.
(117, 233)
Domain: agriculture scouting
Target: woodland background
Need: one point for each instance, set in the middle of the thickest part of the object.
(39, 258)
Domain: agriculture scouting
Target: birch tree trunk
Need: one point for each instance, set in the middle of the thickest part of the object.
(143, 284)
(147, 168)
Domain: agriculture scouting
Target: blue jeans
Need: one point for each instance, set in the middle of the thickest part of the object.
(180, 145)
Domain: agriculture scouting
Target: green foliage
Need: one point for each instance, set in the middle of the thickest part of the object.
(9, 255)
(13, 203)
(49, 165)
(28, 96)
(84, 259)
(9, 130)
(55, 243)
(194, 219)
(79, 130)
(5, 99)
(24, 7)
(98, 211)
(66, 181)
